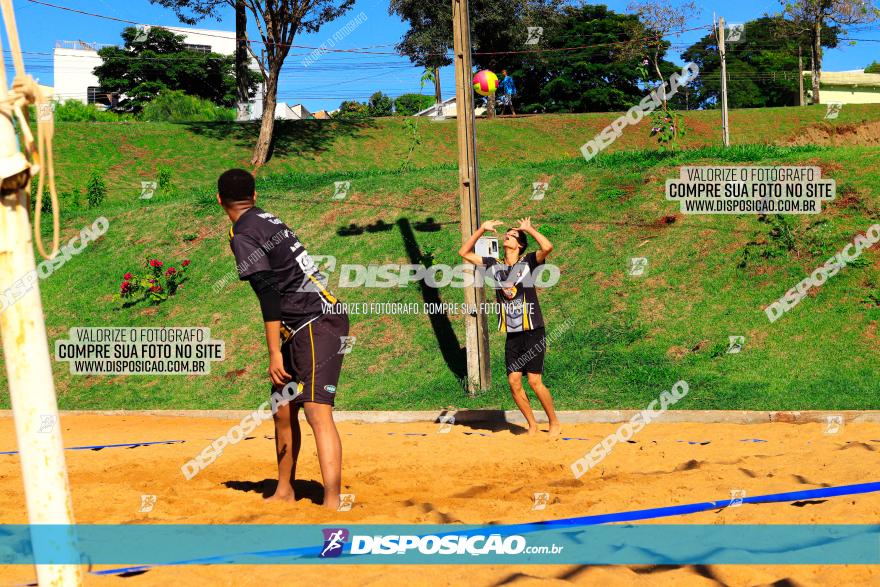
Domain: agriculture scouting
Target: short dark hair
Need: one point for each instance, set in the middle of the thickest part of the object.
(236, 185)
(521, 237)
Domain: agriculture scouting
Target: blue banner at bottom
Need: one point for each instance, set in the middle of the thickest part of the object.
(540, 543)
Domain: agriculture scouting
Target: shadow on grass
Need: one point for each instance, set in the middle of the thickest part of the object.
(291, 137)
(451, 350)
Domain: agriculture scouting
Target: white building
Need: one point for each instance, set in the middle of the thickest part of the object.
(296, 112)
(75, 62)
(447, 109)
(845, 87)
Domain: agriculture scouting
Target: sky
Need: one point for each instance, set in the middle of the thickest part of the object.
(336, 76)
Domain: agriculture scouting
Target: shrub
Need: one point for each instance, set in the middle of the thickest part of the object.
(155, 285)
(409, 104)
(96, 189)
(165, 184)
(351, 109)
(176, 106)
(778, 242)
(380, 105)
(76, 111)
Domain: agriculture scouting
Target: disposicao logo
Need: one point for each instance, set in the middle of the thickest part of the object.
(334, 541)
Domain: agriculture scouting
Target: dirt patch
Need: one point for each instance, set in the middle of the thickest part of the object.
(666, 220)
(203, 232)
(652, 309)
(677, 352)
(864, 134)
(871, 331)
(575, 184)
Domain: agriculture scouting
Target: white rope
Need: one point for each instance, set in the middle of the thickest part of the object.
(25, 92)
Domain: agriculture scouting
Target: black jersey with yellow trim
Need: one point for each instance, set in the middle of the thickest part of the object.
(262, 242)
(515, 293)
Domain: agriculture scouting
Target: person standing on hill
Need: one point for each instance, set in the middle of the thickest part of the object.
(508, 91)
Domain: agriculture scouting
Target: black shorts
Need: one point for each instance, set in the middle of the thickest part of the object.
(524, 351)
(313, 357)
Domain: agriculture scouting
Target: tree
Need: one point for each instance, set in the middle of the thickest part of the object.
(811, 17)
(429, 37)
(603, 76)
(873, 68)
(380, 105)
(278, 22)
(352, 110)
(497, 26)
(208, 8)
(762, 67)
(660, 19)
(159, 61)
(409, 104)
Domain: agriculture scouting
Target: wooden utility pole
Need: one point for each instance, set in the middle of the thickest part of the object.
(476, 327)
(25, 346)
(725, 129)
(800, 77)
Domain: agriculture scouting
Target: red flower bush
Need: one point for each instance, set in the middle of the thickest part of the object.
(154, 285)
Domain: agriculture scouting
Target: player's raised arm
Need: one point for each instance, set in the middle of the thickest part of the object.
(467, 249)
(525, 225)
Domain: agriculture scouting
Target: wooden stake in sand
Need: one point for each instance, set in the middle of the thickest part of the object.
(22, 327)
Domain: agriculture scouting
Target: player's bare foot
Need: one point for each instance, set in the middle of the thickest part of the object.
(282, 494)
(331, 503)
(555, 430)
(533, 429)
(285, 498)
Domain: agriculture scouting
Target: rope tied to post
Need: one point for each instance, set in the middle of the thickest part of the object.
(38, 155)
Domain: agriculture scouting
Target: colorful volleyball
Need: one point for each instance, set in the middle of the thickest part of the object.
(485, 82)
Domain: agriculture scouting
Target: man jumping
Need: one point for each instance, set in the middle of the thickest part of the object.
(519, 314)
(305, 326)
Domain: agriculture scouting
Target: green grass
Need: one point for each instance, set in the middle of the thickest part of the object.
(631, 337)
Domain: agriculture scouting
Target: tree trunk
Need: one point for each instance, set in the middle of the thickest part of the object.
(241, 57)
(660, 78)
(267, 126)
(817, 58)
(490, 105)
(437, 96)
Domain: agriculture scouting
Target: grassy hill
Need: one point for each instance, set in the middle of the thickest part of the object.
(708, 276)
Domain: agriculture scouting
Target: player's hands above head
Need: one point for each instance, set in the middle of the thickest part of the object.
(491, 225)
(525, 223)
(276, 369)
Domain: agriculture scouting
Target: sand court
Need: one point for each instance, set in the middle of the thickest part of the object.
(469, 473)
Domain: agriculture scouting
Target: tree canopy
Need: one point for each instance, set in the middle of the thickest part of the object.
(157, 60)
(762, 68)
(603, 75)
